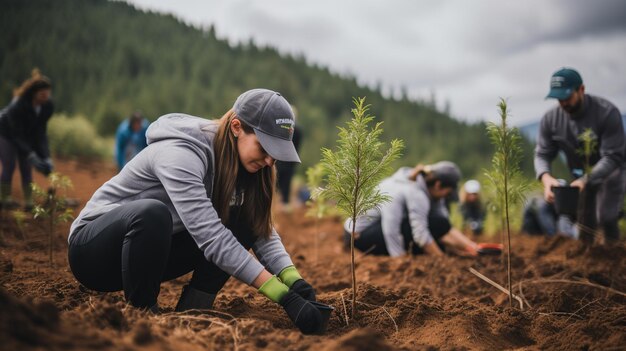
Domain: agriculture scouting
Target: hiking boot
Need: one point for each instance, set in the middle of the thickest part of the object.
(9, 205)
(194, 299)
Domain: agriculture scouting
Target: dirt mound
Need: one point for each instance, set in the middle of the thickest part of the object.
(28, 324)
(358, 340)
(573, 297)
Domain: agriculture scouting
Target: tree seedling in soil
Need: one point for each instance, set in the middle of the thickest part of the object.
(318, 207)
(586, 220)
(20, 220)
(505, 174)
(51, 206)
(354, 170)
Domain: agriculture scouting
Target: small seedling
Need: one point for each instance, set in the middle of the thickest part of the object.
(20, 221)
(505, 174)
(52, 206)
(586, 222)
(354, 170)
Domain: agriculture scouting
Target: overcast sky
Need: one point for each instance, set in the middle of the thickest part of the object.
(469, 53)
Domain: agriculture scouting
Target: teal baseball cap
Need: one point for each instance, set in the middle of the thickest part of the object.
(563, 83)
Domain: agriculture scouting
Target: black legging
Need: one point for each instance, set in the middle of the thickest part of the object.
(8, 157)
(132, 248)
(372, 240)
(284, 174)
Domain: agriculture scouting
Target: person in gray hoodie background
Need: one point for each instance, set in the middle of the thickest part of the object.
(197, 198)
(416, 219)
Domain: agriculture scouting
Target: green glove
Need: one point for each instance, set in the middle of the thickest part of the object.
(289, 275)
(274, 289)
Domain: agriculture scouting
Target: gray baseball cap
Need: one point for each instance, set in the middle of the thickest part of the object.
(272, 119)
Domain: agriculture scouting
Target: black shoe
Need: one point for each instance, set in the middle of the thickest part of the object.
(9, 205)
(194, 299)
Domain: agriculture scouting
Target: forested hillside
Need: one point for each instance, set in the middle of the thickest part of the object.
(107, 59)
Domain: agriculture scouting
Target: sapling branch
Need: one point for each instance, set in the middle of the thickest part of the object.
(505, 175)
(354, 170)
(52, 206)
(589, 145)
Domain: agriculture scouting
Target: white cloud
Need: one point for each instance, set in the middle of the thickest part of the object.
(469, 52)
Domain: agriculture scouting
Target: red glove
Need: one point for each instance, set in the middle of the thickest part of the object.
(489, 249)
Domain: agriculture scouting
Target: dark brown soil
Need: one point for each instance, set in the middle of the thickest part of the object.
(575, 297)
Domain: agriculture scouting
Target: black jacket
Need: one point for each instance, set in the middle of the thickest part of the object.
(27, 130)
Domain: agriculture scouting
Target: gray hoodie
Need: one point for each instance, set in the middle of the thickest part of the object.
(559, 131)
(408, 198)
(177, 169)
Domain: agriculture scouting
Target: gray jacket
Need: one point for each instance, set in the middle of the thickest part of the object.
(559, 131)
(408, 198)
(177, 169)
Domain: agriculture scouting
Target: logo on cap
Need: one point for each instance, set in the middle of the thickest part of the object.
(557, 82)
(286, 123)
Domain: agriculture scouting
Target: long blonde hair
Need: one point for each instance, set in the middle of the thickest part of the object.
(258, 188)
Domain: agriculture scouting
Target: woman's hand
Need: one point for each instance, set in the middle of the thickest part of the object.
(302, 313)
(304, 289)
(432, 249)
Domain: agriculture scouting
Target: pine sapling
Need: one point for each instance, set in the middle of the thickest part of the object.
(20, 220)
(52, 206)
(589, 145)
(505, 174)
(354, 170)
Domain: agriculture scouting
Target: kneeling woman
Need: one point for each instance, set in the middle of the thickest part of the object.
(196, 199)
(416, 218)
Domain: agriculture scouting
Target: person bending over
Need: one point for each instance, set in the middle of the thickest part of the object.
(416, 219)
(23, 137)
(560, 130)
(197, 198)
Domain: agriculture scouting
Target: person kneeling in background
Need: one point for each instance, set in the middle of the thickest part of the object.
(197, 199)
(416, 218)
(471, 207)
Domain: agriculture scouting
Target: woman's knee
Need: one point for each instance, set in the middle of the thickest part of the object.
(153, 211)
(154, 217)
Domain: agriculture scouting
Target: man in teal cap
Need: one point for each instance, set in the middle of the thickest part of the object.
(560, 130)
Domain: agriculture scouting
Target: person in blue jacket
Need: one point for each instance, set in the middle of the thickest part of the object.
(23, 137)
(130, 138)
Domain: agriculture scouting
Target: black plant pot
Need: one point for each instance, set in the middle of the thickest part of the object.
(566, 200)
(326, 311)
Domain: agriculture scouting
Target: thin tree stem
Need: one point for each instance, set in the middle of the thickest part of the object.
(317, 234)
(507, 152)
(355, 200)
(353, 267)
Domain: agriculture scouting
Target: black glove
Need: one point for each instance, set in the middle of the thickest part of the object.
(302, 313)
(39, 164)
(304, 289)
(49, 163)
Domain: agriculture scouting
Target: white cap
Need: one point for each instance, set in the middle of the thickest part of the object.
(472, 186)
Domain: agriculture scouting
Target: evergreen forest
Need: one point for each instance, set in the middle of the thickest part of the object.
(107, 59)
